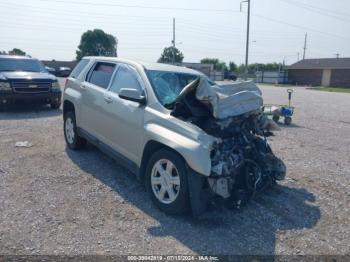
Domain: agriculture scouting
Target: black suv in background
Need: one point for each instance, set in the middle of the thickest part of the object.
(24, 78)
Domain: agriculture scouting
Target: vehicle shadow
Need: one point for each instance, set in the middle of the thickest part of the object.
(251, 230)
(292, 125)
(27, 111)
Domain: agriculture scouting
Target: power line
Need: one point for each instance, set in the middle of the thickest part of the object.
(319, 10)
(186, 26)
(188, 23)
(81, 12)
(299, 26)
(142, 6)
(191, 22)
(316, 11)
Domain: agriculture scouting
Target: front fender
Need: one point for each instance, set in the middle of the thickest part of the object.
(196, 152)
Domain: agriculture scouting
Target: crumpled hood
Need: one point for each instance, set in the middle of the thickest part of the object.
(230, 100)
(26, 75)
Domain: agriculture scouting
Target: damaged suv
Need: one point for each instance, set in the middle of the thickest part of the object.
(186, 138)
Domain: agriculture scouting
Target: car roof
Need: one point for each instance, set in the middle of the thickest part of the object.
(16, 57)
(149, 66)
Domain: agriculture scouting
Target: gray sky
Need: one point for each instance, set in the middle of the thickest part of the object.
(51, 29)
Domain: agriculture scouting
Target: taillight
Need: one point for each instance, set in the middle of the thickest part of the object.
(65, 83)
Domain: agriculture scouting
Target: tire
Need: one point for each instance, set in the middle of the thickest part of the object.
(55, 105)
(73, 141)
(276, 118)
(178, 183)
(287, 120)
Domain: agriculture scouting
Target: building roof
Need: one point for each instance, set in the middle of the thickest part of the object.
(322, 63)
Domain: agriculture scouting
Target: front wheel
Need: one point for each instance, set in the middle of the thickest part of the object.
(73, 140)
(166, 182)
(55, 105)
(276, 118)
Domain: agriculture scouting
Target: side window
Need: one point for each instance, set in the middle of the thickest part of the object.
(126, 77)
(78, 68)
(101, 74)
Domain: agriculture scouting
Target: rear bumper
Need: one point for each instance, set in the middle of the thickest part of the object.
(47, 97)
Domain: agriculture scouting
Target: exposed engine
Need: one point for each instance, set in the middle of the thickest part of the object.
(243, 163)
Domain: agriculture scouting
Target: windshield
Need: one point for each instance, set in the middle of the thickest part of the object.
(15, 64)
(168, 85)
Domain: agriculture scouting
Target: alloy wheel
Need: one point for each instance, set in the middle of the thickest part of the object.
(165, 181)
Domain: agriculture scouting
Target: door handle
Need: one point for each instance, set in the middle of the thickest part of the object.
(83, 86)
(108, 99)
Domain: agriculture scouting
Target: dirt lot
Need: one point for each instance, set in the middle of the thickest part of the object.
(54, 201)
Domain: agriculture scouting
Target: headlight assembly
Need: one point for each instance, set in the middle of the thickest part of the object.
(56, 85)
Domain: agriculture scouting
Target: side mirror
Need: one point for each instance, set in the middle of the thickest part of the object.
(132, 95)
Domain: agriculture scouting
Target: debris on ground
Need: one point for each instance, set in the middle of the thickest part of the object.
(23, 144)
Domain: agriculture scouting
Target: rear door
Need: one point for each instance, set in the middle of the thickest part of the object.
(124, 119)
(94, 90)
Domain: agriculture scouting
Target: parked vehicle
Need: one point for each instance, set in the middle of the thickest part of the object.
(157, 120)
(51, 70)
(230, 76)
(63, 71)
(24, 78)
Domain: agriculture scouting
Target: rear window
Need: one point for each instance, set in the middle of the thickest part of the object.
(18, 64)
(78, 68)
(101, 74)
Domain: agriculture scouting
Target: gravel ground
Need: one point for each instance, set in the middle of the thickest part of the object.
(55, 201)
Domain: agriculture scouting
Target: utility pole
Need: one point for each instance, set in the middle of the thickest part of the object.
(298, 54)
(247, 40)
(337, 55)
(173, 41)
(305, 41)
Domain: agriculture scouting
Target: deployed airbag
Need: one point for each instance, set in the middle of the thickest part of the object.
(229, 100)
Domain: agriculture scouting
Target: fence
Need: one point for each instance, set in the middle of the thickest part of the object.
(272, 77)
(217, 75)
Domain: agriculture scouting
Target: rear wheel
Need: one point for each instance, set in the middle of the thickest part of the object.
(287, 120)
(73, 140)
(166, 182)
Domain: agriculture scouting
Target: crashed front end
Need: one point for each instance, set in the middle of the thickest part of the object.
(242, 162)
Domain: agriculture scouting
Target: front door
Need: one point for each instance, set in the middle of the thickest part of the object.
(124, 128)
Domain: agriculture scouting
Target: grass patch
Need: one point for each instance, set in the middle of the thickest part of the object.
(331, 89)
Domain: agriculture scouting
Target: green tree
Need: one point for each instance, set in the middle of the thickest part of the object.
(218, 65)
(17, 51)
(96, 43)
(232, 66)
(171, 55)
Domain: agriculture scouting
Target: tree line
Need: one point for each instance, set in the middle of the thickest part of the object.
(14, 51)
(98, 43)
